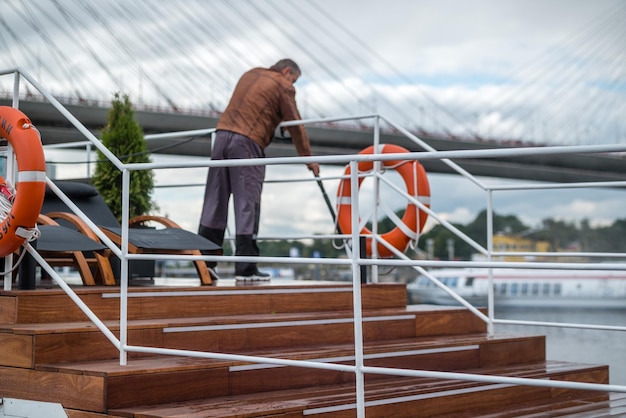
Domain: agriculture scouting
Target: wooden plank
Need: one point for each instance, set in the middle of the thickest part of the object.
(197, 306)
(265, 409)
(402, 349)
(517, 350)
(538, 408)
(74, 346)
(8, 309)
(383, 295)
(136, 366)
(42, 305)
(80, 341)
(276, 378)
(235, 300)
(71, 390)
(17, 350)
(144, 375)
(44, 308)
(446, 322)
(461, 402)
(156, 388)
(398, 397)
(388, 330)
(73, 413)
(598, 375)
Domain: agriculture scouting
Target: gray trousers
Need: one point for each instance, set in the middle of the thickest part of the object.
(245, 183)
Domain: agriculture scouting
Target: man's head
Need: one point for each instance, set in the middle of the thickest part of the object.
(288, 68)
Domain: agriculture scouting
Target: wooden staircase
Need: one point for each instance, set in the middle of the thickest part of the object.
(50, 352)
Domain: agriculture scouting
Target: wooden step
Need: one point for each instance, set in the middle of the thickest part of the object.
(397, 397)
(160, 379)
(49, 352)
(30, 344)
(42, 305)
(585, 404)
(614, 406)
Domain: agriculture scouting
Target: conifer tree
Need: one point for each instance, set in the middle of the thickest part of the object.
(124, 137)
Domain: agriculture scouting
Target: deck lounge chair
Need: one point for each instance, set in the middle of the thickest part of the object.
(62, 246)
(171, 239)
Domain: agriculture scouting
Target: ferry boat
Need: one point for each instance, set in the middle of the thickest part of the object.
(524, 287)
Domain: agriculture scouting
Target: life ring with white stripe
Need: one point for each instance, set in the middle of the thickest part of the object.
(30, 187)
(409, 227)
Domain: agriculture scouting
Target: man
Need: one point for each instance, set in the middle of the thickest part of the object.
(262, 99)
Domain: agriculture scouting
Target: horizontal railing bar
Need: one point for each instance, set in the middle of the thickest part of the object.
(577, 185)
(546, 382)
(387, 262)
(419, 156)
(254, 291)
(239, 357)
(559, 324)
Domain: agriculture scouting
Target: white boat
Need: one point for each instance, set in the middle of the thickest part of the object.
(516, 287)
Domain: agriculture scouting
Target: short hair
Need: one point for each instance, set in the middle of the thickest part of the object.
(286, 63)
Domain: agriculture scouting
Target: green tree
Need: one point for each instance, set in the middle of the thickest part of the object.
(477, 230)
(608, 238)
(440, 236)
(124, 138)
(560, 234)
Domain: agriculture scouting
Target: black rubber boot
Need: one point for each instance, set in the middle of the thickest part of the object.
(245, 245)
(214, 235)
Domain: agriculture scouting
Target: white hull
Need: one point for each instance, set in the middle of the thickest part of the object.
(512, 287)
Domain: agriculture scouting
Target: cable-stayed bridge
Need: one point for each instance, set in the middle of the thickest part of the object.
(189, 55)
(181, 60)
(328, 140)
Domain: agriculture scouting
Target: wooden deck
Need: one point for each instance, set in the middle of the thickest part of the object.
(50, 352)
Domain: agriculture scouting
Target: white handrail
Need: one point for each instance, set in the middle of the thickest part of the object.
(355, 261)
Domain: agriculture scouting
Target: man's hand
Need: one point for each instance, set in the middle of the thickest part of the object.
(315, 168)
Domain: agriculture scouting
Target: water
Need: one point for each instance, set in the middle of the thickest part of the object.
(572, 344)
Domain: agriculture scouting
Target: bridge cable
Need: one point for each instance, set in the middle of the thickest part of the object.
(335, 58)
(57, 54)
(271, 41)
(304, 49)
(127, 51)
(392, 69)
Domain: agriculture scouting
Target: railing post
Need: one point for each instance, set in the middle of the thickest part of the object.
(376, 167)
(88, 156)
(356, 291)
(490, 296)
(124, 267)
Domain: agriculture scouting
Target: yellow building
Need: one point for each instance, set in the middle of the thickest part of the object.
(510, 243)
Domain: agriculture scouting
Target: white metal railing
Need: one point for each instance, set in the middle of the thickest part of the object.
(354, 261)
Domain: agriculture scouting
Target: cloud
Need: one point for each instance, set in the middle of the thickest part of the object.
(526, 69)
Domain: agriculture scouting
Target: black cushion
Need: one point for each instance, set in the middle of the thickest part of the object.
(59, 238)
(73, 189)
(86, 197)
(173, 239)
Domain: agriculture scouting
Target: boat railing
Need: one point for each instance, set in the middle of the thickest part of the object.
(354, 260)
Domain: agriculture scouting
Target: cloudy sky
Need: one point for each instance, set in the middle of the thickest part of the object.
(540, 71)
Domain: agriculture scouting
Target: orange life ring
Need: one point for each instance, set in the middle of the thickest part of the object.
(416, 183)
(30, 187)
